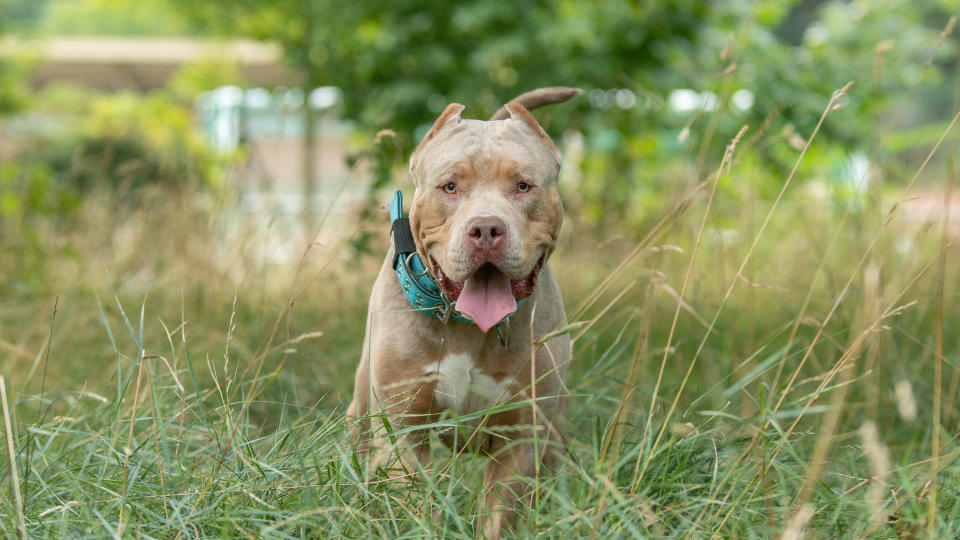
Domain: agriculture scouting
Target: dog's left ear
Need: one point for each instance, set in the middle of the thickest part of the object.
(520, 113)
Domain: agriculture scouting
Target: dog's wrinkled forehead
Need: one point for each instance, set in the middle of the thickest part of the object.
(452, 139)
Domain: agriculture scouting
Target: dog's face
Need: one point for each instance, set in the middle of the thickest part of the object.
(486, 213)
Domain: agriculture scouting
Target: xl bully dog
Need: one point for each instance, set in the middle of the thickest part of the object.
(462, 303)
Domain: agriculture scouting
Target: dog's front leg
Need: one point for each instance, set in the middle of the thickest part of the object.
(402, 454)
(505, 483)
(514, 455)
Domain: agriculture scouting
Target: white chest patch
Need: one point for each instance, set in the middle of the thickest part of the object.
(465, 388)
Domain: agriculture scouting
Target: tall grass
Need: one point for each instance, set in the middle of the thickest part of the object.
(783, 369)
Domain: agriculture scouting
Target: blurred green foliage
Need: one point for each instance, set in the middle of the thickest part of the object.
(119, 142)
(98, 17)
(404, 61)
(203, 75)
(401, 62)
(97, 165)
(11, 75)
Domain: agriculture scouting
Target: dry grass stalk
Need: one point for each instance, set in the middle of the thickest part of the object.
(724, 166)
(12, 460)
(880, 466)
(906, 402)
(888, 129)
(853, 276)
(938, 358)
(59, 508)
(128, 450)
(798, 522)
(837, 95)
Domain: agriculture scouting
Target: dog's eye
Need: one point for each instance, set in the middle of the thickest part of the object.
(523, 187)
(450, 187)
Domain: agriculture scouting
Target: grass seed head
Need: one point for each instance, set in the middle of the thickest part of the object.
(906, 403)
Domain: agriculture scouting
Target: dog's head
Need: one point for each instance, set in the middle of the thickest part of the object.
(486, 214)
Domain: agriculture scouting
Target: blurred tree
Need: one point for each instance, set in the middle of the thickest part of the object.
(794, 55)
(132, 146)
(396, 57)
(113, 17)
(791, 27)
(12, 87)
(203, 74)
(20, 14)
(401, 62)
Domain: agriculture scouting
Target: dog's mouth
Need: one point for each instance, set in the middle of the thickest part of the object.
(488, 295)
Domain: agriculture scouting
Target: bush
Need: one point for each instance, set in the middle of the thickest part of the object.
(94, 174)
(122, 143)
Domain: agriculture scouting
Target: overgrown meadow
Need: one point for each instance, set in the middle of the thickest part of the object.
(757, 353)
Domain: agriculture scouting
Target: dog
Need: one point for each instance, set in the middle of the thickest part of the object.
(466, 313)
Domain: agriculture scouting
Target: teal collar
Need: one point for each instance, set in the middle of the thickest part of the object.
(423, 293)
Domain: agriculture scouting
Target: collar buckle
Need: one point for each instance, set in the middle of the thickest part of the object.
(445, 309)
(406, 264)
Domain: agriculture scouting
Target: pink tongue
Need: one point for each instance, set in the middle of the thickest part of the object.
(487, 297)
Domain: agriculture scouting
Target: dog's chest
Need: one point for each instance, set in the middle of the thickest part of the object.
(464, 387)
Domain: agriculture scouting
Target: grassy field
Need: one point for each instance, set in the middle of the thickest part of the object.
(744, 366)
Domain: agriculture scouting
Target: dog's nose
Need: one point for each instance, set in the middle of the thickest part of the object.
(487, 235)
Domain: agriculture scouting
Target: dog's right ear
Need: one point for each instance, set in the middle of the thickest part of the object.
(450, 116)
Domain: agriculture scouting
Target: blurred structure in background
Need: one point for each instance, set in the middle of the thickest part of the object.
(142, 63)
(268, 126)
